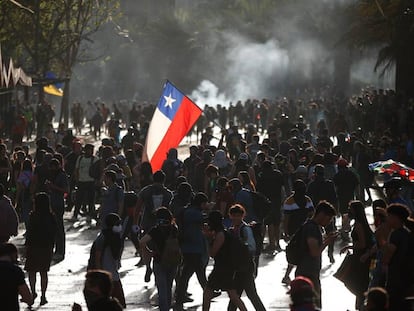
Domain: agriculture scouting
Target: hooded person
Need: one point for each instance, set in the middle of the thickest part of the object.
(106, 253)
(221, 161)
(172, 167)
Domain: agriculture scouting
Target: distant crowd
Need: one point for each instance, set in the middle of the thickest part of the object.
(263, 174)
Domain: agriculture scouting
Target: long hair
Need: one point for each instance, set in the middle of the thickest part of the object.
(113, 240)
(299, 188)
(27, 165)
(246, 181)
(358, 210)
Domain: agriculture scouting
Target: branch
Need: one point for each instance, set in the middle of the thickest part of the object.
(22, 6)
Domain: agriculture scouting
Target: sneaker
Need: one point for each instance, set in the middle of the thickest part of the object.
(43, 300)
(216, 293)
(184, 300)
(269, 249)
(148, 273)
(140, 263)
(286, 280)
(58, 257)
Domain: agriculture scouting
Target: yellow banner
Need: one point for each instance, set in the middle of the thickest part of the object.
(52, 90)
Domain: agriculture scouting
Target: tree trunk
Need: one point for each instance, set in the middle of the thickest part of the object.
(404, 73)
(342, 70)
(64, 111)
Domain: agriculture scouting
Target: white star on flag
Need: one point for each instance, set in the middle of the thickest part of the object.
(169, 101)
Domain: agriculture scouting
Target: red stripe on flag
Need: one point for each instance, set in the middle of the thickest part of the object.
(187, 114)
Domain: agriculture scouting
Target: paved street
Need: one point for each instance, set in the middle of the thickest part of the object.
(66, 278)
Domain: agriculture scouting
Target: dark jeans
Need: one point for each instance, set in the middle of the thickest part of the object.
(192, 263)
(60, 230)
(163, 280)
(244, 281)
(331, 227)
(128, 223)
(85, 195)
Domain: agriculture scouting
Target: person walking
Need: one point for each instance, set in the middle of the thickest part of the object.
(12, 283)
(40, 239)
(150, 198)
(346, 183)
(58, 185)
(112, 197)
(362, 241)
(98, 292)
(9, 221)
(164, 275)
(310, 263)
(244, 279)
(322, 189)
(23, 195)
(193, 246)
(85, 194)
(398, 257)
(270, 183)
(297, 208)
(222, 275)
(106, 253)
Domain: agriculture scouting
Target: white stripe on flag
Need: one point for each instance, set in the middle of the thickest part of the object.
(156, 132)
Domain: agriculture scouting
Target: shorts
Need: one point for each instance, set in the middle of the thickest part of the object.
(221, 278)
(275, 215)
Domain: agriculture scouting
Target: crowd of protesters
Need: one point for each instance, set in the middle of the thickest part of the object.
(272, 168)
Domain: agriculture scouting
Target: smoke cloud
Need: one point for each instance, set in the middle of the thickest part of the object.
(220, 61)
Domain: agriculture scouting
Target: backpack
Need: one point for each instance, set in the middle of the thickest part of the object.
(240, 257)
(95, 168)
(256, 228)
(92, 258)
(171, 256)
(294, 249)
(9, 221)
(261, 204)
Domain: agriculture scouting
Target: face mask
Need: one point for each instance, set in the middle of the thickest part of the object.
(90, 297)
(117, 229)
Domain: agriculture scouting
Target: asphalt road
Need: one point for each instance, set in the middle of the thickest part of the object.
(66, 278)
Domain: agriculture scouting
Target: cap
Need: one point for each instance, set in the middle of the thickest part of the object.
(301, 169)
(319, 169)
(300, 284)
(393, 183)
(381, 211)
(243, 156)
(342, 162)
(115, 167)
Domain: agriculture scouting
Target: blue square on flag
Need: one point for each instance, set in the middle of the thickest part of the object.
(170, 101)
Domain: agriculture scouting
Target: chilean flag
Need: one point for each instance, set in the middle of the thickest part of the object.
(172, 120)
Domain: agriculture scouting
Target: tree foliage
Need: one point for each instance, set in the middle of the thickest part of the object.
(385, 24)
(48, 35)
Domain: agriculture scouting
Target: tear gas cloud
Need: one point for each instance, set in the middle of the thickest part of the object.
(227, 65)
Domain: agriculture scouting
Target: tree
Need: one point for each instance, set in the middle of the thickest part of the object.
(388, 25)
(50, 37)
